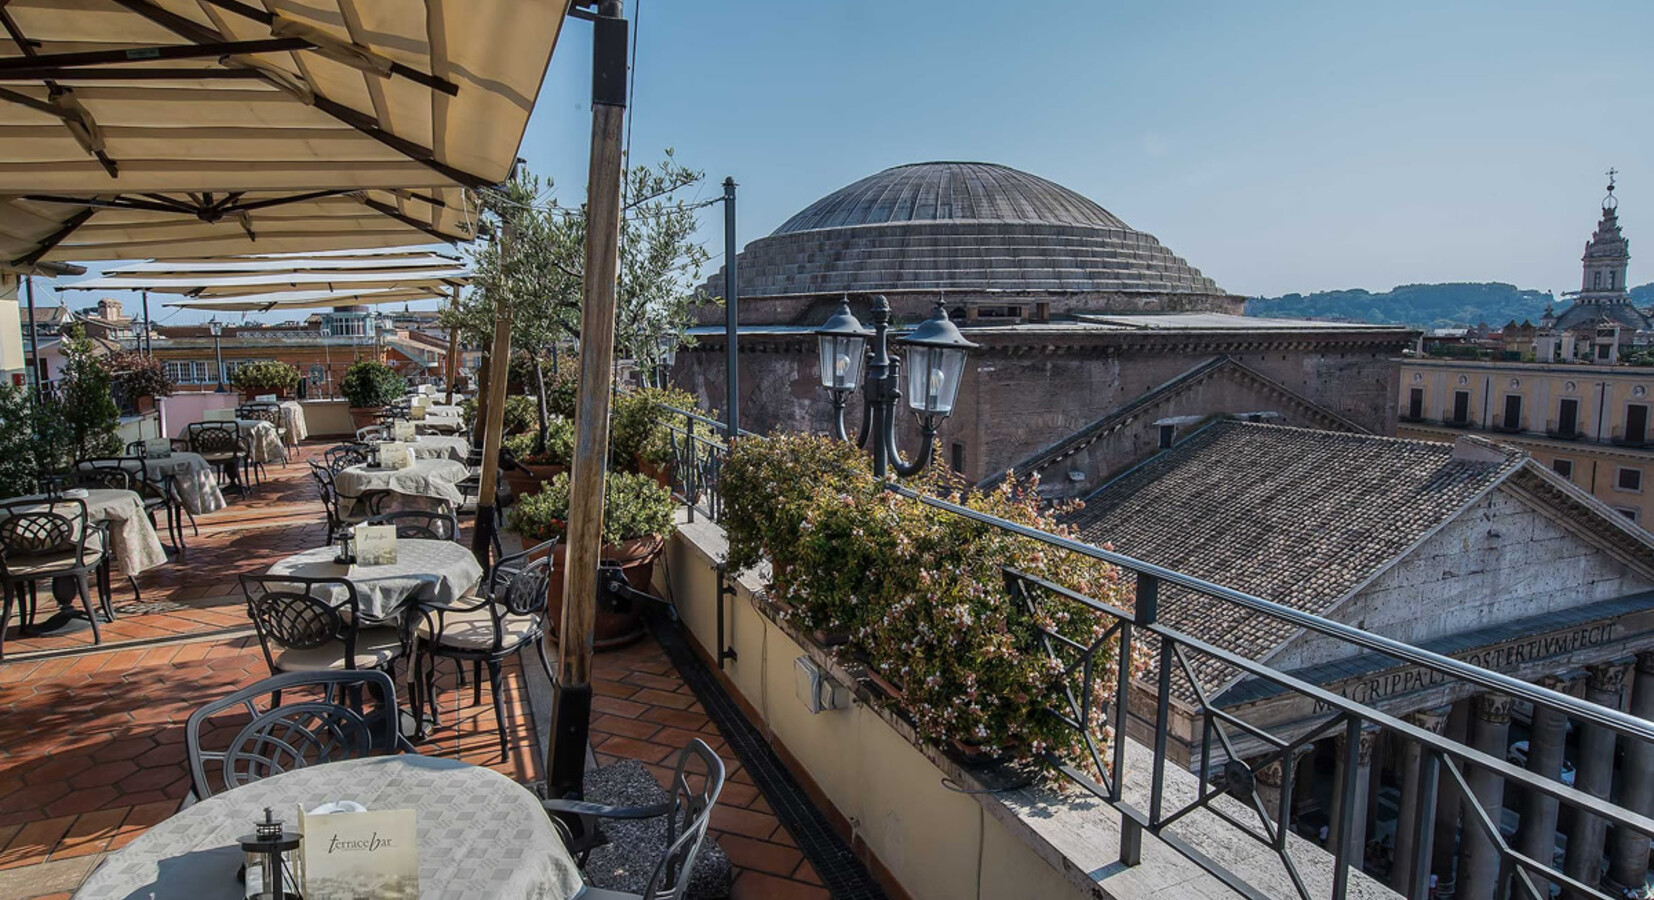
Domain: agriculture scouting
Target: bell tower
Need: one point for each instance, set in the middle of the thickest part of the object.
(1606, 256)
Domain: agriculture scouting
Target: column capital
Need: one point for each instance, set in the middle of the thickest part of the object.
(1564, 682)
(1364, 744)
(1609, 677)
(1492, 707)
(1431, 720)
(1269, 773)
(1645, 662)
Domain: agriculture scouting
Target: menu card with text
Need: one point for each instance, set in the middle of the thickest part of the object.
(395, 455)
(355, 855)
(157, 448)
(375, 545)
(416, 412)
(402, 430)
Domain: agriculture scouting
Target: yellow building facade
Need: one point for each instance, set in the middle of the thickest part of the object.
(1592, 424)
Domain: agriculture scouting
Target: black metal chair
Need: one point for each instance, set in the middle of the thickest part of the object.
(344, 456)
(315, 625)
(687, 815)
(92, 476)
(265, 411)
(219, 443)
(419, 524)
(43, 541)
(329, 495)
(273, 737)
(157, 493)
(485, 630)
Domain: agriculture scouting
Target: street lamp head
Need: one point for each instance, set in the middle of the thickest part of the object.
(215, 327)
(936, 363)
(843, 350)
(668, 349)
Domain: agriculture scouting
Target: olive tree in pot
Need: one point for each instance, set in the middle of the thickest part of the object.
(538, 456)
(637, 517)
(265, 377)
(368, 386)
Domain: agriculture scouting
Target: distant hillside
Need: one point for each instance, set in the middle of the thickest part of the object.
(1420, 305)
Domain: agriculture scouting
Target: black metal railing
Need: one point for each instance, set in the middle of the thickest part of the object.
(697, 460)
(1223, 773)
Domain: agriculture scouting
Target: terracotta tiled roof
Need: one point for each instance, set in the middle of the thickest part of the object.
(1293, 515)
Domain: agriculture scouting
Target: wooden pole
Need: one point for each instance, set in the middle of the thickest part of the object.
(453, 350)
(482, 536)
(571, 707)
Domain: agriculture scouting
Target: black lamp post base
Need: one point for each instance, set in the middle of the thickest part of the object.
(571, 712)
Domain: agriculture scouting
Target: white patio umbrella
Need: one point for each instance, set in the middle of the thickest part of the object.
(208, 284)
(308, 300)
(157, 128)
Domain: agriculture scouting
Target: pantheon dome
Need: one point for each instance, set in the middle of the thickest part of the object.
(982, 233)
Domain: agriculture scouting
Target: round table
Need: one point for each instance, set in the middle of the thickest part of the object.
(195, 478)
(263, 440)
(430, 480)
(481, 835)
(436, 446)
(137, 547)
(441, 422)
(437, 572)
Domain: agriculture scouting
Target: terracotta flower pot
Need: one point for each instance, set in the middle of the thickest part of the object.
(661, 474)
(637, 561)
(363, 416)
(527, 484)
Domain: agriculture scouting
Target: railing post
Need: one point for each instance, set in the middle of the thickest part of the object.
(1346, 809)
(1424, 826)
(1148, 591)
(689, 468)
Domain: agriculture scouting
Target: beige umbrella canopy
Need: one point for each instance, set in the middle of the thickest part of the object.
(433, 274)
(155, 128)
(307, 300)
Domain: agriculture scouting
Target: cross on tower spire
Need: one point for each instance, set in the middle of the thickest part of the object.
(1610, 201)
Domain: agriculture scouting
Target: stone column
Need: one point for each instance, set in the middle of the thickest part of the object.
(1536, 837)
(1444, 859)
(1267, 782)
(1628, 857)
(1595, 777)
(1479, 863)
(1412, 758)
(1363, 760)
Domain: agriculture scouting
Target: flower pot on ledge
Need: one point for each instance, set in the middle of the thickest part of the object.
(637, 561)
(528, 483)
(363, 416)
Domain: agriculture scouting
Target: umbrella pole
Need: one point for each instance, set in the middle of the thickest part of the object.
(482, 536)
(453, 352)
(572, 700)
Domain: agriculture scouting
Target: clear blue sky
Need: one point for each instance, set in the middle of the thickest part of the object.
(1276, 146)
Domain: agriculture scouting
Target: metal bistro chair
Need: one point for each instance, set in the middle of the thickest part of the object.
(88, 474)
(687, 816)
(372, 433)
(303, 626)
(420, 524)
(485, 630)
(344, 456)
(157, 493)
(42, 541)
(220, 444)
(330, 499)
(272, 737)
(265, 412)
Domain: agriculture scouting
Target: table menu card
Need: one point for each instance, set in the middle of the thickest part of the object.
(218, 415)
(416, 412)
(157, 448)
(375, 545)
(402, 430)
(265, 398)
(353, 855)
(395, 454)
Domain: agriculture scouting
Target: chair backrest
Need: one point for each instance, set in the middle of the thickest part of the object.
(260, 412)
(344, 456)
(525, 592)
(372, 433)
(298, 613)
(420, 524)
(686, 823)
(106, 477)
(214, 437)
(275, 737)
(329, 496)
(30, 529)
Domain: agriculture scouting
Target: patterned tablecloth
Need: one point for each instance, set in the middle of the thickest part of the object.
(263, 440)
(440, 423)
(437, 446)
(137, 547)
(481, 835)
(292, 418)
(195, 478)
(432, 572)
(427, 484)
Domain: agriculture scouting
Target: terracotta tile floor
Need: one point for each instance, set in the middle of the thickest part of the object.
(91, 739)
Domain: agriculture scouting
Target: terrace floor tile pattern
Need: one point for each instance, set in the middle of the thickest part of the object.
(91, 739)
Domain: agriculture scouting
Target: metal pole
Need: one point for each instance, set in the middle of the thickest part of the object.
(453, 351)
(571, 704)
(732, 359)
(878, 385)
(218, 353)
(149, 348)
(34, 343)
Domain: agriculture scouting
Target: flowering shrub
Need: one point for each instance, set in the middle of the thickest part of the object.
(920, 593)
(265, 376)
(637, 427)
(138, 374)
(559, 445)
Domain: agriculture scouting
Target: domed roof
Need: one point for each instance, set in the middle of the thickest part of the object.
(958, 226)
(950, 191)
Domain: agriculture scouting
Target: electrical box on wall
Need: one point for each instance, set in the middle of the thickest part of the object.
(816, 689)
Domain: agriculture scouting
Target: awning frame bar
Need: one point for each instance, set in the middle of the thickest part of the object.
(55, 238)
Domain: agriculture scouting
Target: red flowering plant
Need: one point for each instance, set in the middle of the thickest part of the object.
(921, 592)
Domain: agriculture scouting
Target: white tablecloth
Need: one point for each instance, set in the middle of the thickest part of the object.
(440, 423)
(438, 572)
(292, 417)
(263, 440)
(427, 484)
(481, 835)
(196, 480)
(137, 547)
(437, 446)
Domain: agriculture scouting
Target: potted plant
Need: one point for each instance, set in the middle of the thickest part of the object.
(265, 377)
(534, 465)
(637, 517)
(139, 376)
(368, 386)
(638, 437)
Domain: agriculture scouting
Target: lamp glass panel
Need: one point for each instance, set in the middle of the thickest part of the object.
(841, 361)
(933, 377)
